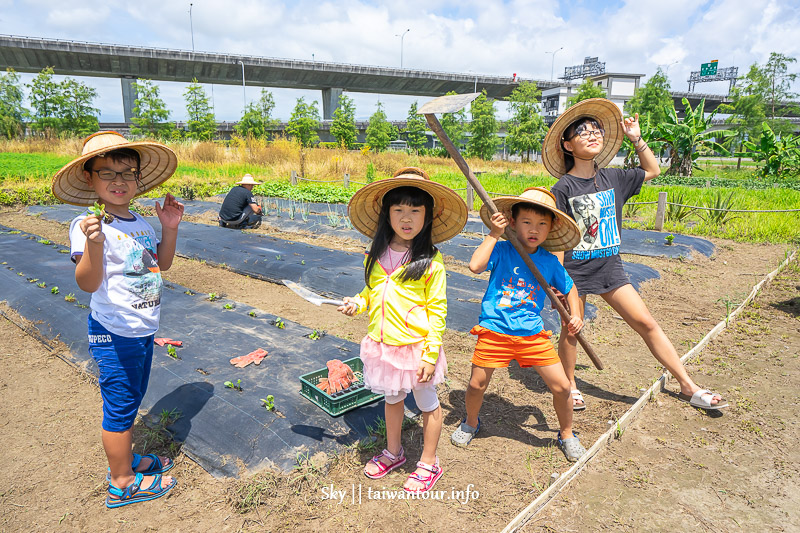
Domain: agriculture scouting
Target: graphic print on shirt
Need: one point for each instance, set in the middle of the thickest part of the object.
(142, 275)
(596, 215)
(517, 294)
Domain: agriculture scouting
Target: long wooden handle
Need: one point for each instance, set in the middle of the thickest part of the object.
(433, 122)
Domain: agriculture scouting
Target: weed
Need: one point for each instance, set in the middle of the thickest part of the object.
(305, 473)
(70, 298)
(247, 495)
(748, 425)
(269, 403)
(235, 386)
(228, 306)
(54, 290)
(721, 209)
(729, 306)
(618, 430)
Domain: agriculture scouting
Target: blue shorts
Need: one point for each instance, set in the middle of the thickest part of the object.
(124, 365)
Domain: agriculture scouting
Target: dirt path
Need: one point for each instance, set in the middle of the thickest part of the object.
(678, 469)
(53, 466)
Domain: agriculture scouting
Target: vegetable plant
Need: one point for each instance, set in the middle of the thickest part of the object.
(228, 306)
(669, 238)
(189, 292)
(212, 296)
(42, 284)
(172, 352)
(54, 290)
(315, 335)
(269, 403)
(278, 323)
(252, 314)
(70, 298)
(44, 241)
(99, 210)
(235, 386)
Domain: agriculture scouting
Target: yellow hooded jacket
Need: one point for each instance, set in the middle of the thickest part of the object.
(407, 312)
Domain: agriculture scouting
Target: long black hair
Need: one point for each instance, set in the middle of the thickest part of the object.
(422, 249)
(571, 131)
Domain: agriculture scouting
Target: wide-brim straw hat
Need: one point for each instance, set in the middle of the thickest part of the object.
(449, 209)
(605, 112)
(157, 164)
(247, 179)
(564, 235)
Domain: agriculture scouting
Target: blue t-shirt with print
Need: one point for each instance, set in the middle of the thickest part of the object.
(513, 301)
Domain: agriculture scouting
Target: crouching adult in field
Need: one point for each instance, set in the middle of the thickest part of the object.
(118, 259)
(239, 209)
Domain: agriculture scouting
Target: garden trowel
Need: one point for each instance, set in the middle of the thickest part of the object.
(312, 297)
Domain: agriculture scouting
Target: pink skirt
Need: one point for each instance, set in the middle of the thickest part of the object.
(390, 369)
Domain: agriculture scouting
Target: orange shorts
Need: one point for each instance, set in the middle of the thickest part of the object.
(496, 350)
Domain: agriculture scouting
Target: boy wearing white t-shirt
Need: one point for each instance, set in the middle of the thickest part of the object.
(118, 258)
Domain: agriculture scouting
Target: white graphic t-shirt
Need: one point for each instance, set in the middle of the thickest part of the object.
(129, 299)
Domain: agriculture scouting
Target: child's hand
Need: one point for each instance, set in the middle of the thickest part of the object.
(630, 126)
(499, 223)
(172, 213)
(349, 308)
(424, 372)
(575, 325)
(92, 228)
(561, 298)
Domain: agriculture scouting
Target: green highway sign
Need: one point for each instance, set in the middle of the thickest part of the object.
(709, 69)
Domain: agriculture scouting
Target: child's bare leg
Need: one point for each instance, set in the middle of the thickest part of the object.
(630, 306)
(568, 351)
(478, 382)
(431, 432)
(394, 426)
(118, 446)
(556, 380)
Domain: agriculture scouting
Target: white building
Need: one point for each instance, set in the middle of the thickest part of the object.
(619, 88)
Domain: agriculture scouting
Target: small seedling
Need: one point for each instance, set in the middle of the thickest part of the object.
(42, 284)
(212, 296)
(63, 251)
(252, 314)
(228, 306)
(82, 306)
(20, 274)
(235, 386)
(172, 352)
(70, 298)
(33, 280)
(99, 210)
(54, 290)
(269, 403)
(315, 335)
(303, 262)
(279, 323)
(189, 292)
(277, 258)
(44, 241)
(669, 238)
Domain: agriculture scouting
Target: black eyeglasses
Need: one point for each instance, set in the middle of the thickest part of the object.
(585, 134)
(109, 175)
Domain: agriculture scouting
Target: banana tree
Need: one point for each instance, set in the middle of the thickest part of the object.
(686, 138)
(650, 136)
(781, 155)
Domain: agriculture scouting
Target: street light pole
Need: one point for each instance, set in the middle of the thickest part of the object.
(553, 61)
(191, 26)
(244, 93)
(402, 36)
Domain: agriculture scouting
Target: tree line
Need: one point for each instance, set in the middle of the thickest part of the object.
(757, 123)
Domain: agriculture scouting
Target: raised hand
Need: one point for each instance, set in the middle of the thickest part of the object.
(171, 214)
(92, 228)
(631, 128)
(499, 223)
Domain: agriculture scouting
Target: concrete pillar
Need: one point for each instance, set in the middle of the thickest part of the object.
(330, 101)
(129, 97)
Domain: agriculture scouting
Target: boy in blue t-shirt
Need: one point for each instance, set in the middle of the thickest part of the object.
(119, 258)
(510, 324)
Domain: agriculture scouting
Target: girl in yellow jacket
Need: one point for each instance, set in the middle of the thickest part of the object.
(405, 296)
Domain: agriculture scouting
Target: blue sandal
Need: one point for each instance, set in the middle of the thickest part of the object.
(134, 493)
(156, 467)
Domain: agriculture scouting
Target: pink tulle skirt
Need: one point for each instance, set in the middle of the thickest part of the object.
(390, 369)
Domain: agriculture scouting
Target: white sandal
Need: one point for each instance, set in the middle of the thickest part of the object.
(576, 395)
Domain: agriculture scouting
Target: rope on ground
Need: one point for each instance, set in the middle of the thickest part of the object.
(736, 210)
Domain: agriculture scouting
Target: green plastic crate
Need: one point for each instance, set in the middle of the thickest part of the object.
(341, 402)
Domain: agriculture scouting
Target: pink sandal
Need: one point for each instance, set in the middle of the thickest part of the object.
(383, 469)
(429, 481)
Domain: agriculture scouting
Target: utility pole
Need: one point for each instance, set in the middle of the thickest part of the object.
(191, 26)
(553, 61)
(244, 92)
(401, 45)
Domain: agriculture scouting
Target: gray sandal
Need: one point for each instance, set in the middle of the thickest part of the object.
(464, 434)
(572, 448)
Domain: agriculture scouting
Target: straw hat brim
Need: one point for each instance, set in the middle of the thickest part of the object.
(157, 164)
(604, 111)
(563, 236)
(449, 209)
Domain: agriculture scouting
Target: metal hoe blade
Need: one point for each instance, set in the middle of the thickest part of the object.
(447, 104)
(307, 295)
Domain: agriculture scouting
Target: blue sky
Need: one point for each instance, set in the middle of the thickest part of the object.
(481, 36)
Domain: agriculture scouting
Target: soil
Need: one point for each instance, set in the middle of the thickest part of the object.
(52, 469)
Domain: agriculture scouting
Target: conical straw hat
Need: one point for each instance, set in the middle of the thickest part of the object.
(157, 163)
(564, 235)
(605, 112)
(449, 209)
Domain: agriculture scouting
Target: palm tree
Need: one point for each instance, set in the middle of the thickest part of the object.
(688, 136)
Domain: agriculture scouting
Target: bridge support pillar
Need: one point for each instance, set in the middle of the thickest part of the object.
(330, 101)
(129, 97)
